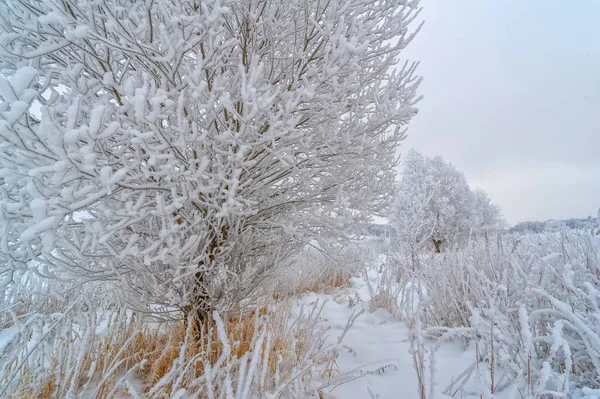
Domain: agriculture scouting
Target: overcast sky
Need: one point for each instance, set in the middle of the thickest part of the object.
(512, 98)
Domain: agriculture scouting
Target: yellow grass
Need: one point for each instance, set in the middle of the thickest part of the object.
(326, 282)
(153, 352)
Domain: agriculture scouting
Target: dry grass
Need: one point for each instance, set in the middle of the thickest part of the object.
(319, 271)
(153, 352)
(28, 388)
(325, 282)
(385, 300)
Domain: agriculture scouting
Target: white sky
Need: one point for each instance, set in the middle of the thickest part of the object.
(512, 98)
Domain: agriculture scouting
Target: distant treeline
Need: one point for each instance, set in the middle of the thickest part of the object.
(589, 223)
(377, 230)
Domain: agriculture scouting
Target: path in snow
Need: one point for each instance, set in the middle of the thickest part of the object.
(378, 339)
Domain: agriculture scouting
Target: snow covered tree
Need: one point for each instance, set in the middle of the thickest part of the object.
(181, 149)
(452, 206)
(412, 215)
(434, 205)
(488, 215)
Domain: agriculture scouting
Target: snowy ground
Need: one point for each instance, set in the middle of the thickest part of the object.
(379, 343)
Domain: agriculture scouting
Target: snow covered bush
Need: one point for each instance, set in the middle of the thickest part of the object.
(179, 150)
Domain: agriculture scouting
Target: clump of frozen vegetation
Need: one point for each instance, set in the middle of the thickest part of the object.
(530, 303)
(169, 157)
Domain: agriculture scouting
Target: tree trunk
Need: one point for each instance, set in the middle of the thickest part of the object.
(438, 245)
(200, 310)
